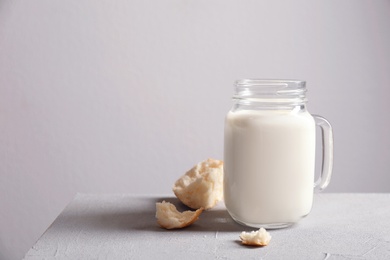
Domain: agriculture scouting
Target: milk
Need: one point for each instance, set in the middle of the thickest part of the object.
(269, 158)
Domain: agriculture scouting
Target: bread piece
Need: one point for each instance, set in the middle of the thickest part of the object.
(202, 186)
(169, 217)
(256, 238)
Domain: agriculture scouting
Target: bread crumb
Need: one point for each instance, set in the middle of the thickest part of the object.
(256, 238)
(170, 218)
(201, 186)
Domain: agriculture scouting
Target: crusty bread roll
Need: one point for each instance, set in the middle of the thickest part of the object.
(202, 186)
(169, 217)
(256, 238)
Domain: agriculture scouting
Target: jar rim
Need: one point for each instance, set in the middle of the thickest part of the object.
(290, 83)
(270, 86)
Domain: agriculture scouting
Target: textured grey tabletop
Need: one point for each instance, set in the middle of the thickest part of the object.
(340, 226)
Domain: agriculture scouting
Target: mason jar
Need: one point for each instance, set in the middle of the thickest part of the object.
(269, 153)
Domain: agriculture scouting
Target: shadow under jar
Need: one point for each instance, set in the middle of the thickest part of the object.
(269, 153)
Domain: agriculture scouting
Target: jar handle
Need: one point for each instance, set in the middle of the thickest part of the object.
(327, 153)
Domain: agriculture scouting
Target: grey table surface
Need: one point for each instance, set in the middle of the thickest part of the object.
(340, 226)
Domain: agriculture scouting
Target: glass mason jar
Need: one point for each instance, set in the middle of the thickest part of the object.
(269, 153)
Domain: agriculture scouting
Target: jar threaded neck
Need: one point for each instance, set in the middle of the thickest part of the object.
(270, 92)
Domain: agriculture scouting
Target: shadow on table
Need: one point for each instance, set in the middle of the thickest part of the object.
(138, 214)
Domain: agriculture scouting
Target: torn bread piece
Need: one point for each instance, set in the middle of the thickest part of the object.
(202, 186)
(255, 238)
(169, 217)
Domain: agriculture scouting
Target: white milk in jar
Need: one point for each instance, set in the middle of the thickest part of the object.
(269, 154)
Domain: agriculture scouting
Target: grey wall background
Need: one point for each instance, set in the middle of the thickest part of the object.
(125, 96)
